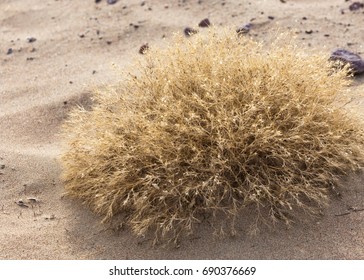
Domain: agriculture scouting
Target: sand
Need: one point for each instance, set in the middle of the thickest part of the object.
(81, 46)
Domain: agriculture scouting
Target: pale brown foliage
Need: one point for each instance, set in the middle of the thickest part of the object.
(212, 124)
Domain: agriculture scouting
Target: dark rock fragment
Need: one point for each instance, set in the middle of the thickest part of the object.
(204, 23)
(31, 39)
(244, 29)
(144, 48)
(190, 31)
(356, 6)
(355, 61)
(10, 51)
(110, 2)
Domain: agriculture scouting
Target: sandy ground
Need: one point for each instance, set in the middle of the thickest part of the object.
(78, 46)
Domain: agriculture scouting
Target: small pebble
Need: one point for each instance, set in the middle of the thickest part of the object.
(10, 51)
(33, 199)
(31, 39)
(244, 29)
(309, 31)
(190, 31)
(204, 23)
(110, 2)
(21, 203)
(356, 6)
(50, 217)
(144, 48)
(345, 56)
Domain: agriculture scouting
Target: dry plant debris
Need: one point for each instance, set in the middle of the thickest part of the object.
(212, 125)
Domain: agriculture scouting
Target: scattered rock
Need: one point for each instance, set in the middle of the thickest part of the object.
(97, 1)
(10, 51)
(244, 29)
(93, 72)
(31, 39)
(33, 199)
(283, 1)
(304, 18)
(21, 203)
(110, 2)
(356, 6)
(309, 31)
(144, 48)
(50, 217)
(347, 57)
(142, 4)
(136, 26)
(190, 31)
(30, 58)
(2, 166)
(204, 23)
(270, 17)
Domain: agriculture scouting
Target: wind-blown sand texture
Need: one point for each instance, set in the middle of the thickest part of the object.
(77, 43)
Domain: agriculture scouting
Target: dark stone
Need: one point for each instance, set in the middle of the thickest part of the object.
(10, 51)
(347, 57)
(31, 39)
(244, 29)
(110, 2)
(270, 17)
(356, 6)
(97, 1)
(190, 31)
(309, 31)
(144, 48)
(204, 23)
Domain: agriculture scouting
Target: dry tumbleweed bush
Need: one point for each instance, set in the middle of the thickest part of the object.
(209, 126)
